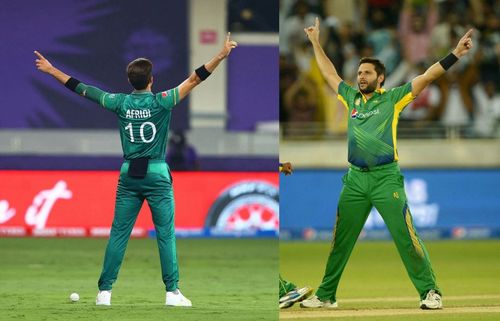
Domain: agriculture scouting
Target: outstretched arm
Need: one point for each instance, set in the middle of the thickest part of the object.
(93, 93)
(439, 68)
(325, 65)
(44, 65)
(194, 79)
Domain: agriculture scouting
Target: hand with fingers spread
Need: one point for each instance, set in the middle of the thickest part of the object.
(42, 63)
(228, 46)
(312, 32)
(464, 45)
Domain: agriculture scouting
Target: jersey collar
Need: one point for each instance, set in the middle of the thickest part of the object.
(379, 91)
(143, 91)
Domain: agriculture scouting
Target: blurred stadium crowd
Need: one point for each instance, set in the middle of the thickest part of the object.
(408, 36)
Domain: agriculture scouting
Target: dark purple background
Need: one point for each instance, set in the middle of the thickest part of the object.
(93, 41)
(253, 86)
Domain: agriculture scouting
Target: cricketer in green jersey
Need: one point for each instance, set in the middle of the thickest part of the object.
(144, 120)
(374, 177)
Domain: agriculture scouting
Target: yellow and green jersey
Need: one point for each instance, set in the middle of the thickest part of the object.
(372, 124)
(144, 118)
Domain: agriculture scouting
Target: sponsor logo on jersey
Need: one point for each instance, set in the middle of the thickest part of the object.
(358, 115)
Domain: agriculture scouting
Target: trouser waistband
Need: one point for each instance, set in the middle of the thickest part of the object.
(374, 168)
(154, 166)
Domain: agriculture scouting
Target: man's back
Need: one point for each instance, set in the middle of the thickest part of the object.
(144, 120)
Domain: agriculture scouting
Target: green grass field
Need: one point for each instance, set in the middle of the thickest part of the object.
(226, 279)
(375, 285)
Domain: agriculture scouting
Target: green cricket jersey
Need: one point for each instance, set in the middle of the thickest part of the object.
(144, 118)
(372, 125)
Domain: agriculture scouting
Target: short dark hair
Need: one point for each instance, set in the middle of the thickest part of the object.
(139, 73)
(379, 66)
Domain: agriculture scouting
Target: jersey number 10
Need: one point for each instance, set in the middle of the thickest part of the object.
(141, 132)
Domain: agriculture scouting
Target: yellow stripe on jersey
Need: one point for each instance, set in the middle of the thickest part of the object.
(343, 101)
(403, 102)
(398, 108)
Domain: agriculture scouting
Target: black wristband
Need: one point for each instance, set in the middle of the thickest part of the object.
(202, 72)
(72, 83)
(448, 61)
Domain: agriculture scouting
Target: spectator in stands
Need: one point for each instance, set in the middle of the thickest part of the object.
(300, 103)
(454, 113)
(343, 45)
(422, 111)
(378, 13)
(487, 109)
(415, 27)
(383, 41)
(292, 34)
(288, 75)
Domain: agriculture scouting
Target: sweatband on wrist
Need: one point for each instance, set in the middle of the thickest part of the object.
(72, 83)
(448, 61)
(202, 72)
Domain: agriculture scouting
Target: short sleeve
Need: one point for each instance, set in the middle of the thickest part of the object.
(168, 98)
(346, 93)
(401, 96)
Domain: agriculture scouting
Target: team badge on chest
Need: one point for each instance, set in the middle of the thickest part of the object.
(354, 113)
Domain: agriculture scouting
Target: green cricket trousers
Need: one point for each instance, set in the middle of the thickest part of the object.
(156, 188)
(285, 287)
(383, 187)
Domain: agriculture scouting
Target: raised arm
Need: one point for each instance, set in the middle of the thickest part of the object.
(90, 92)
(325, 65)
(439, 68)
(204, 71)
(45, 66)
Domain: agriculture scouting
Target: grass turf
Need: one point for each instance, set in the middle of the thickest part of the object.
(226, 279)
(463, 269)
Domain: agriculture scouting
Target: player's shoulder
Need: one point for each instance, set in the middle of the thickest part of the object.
(166, 94)
(404, 87)
(168, 98)
(346, 89)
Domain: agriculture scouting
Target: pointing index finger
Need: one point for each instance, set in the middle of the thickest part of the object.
(316, 22)
(469, 33)
(228, 36)
(39, 55)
